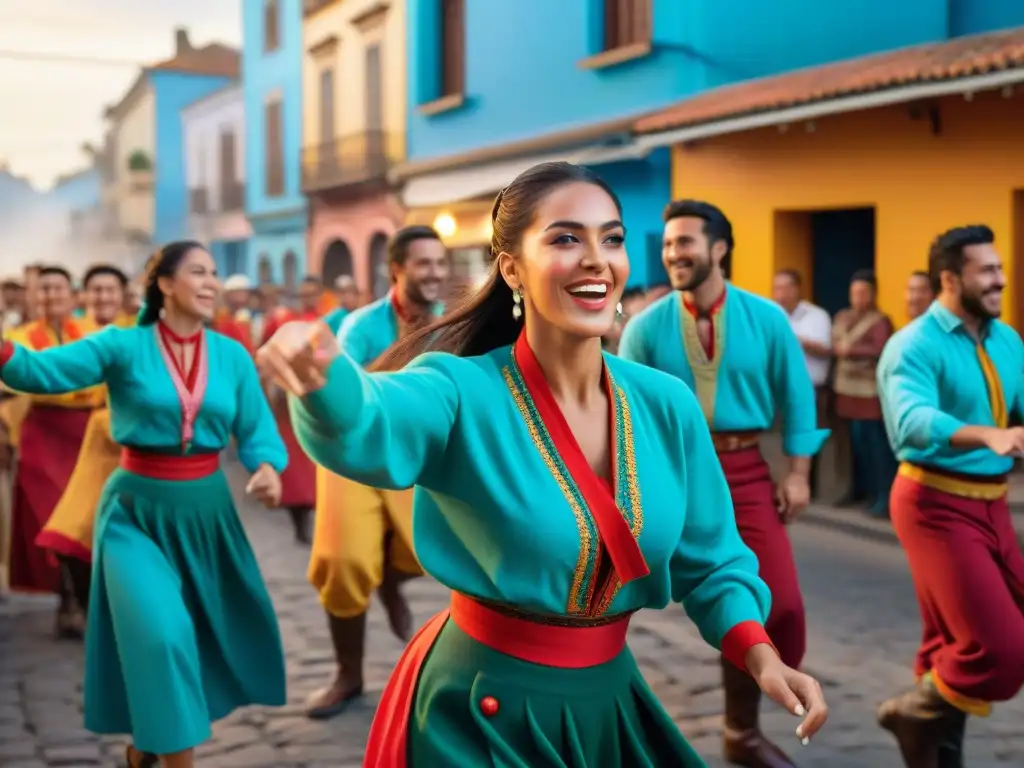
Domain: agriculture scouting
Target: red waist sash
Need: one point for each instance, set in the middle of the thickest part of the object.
(568, 647)
(160, 466)
(529, 639)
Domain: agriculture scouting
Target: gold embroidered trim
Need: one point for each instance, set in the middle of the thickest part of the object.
(587, 542)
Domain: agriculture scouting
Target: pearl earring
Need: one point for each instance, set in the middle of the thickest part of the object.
(517, 303)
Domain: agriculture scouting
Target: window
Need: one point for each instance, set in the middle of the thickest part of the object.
(453, 48)
(271, 26)
(374, 100)
(274, 149)
(230, 187)
(326, 106)
(265, 270)
(626, 22)
(290, 267)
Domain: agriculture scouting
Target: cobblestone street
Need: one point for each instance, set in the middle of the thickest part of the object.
(863, 627)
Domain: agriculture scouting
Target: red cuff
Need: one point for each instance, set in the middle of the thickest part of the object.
(742, 638)
(6, 352)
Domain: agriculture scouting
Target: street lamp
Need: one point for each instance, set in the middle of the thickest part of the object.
(445, 225)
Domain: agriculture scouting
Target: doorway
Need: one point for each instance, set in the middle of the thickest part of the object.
(380, 274)
(337, 262)
(842, 242)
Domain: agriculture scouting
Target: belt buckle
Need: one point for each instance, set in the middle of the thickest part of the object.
(732, 443)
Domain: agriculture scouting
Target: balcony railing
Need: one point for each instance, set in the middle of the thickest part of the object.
(232, 196)
(199, 200)
(354, 159)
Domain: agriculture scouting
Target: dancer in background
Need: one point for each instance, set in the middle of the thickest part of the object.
(50, 437)
(363, 536)
(69, 530)
(181, 630)
(948, 383)
(346, 293)
(234, 319)
(298, 482)
(558, 491)
(738, 354)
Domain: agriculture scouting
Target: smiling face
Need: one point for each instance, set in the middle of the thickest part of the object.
(104, 297)
(56, 298)
(572, 265)
(686, 253)
(194, 287)
(982, 282)
(421, 279)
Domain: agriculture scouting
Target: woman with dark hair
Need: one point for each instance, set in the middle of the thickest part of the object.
(559, 491)
(181, 630)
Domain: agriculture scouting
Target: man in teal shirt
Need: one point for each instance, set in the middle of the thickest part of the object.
(363, 536)
(947, 383)
(739, 355)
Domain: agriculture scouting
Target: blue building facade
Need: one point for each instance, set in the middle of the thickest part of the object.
(272, 74)
(172, 91)
(537, 72)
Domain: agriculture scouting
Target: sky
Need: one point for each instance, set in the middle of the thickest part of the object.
(50, 108)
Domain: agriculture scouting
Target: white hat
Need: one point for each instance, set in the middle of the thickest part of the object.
(237, 283)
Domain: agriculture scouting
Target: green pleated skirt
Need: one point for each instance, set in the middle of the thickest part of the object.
(599, 717)
(181, 630)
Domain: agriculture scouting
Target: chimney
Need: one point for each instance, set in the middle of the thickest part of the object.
(181, 42)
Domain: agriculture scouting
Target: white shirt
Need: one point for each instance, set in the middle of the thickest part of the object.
(812, 323)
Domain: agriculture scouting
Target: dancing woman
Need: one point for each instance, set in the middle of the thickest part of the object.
(559, 491)
(180, 629)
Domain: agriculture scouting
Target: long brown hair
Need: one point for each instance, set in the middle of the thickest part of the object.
(484, 321)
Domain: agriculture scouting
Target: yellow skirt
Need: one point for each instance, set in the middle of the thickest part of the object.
(12, 412)
(353, 524)
(70, 527)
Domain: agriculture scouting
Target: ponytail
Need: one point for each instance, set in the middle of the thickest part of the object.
(482, 323)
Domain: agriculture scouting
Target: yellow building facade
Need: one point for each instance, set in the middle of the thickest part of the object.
(920, 168)
(353, 133)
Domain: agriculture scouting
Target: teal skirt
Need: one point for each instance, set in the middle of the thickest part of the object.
(598, 717)
(181, 630)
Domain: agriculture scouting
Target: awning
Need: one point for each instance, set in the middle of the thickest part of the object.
(446, 187)
(960, 66)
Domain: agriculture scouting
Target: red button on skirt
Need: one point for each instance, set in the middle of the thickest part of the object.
(489, 706)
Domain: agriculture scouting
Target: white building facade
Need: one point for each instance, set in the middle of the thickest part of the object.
(214, 146)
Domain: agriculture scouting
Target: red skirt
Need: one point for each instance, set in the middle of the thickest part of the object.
(51, 438)
(298, 481)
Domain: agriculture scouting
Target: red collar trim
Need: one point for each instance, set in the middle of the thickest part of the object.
(694, 310)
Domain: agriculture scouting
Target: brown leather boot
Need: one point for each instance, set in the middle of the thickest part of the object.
(397, 607)
(928, 729)
(348, 636)
(742, 741)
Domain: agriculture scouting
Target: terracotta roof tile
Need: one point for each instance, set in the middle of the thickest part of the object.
(950, 60)
(215, 60)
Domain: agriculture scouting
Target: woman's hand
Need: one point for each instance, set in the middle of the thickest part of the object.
(797, 692)
(265, 486)
(297, 356)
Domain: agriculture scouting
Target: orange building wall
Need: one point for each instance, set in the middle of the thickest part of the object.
(920, 184)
